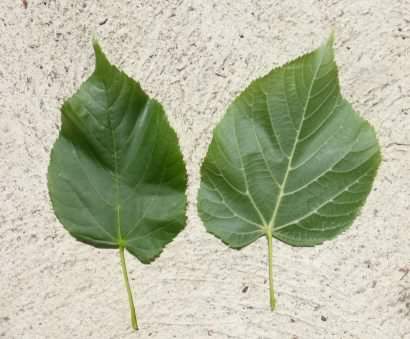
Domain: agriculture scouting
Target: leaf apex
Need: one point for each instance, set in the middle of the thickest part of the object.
(96, 44)
(331, 39)
(101, 60)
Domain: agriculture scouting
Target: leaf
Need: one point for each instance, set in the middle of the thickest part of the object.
(290, 159)
(116, 176)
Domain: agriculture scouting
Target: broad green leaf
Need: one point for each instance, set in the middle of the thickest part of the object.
(116, 176)
(290, 159)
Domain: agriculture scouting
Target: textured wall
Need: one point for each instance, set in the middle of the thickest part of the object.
(195, 56)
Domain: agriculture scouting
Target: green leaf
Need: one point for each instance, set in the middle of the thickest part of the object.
(116, 176)
(290, 159)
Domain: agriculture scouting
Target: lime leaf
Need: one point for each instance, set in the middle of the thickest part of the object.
(290, 159)
(116, 176)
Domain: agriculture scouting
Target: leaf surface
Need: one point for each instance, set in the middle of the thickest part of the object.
(290, 159)
(116, 176)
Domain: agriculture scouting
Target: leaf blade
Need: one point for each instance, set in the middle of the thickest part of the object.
(300, 145)
(116, 176)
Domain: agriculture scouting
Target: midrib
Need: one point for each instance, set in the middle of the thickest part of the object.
(116, 184)
(292, 154)
(115, 176)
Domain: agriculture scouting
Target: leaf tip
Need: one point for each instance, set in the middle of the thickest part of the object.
(326, 50)
(95, 43)
(100, 58)
(331, 39)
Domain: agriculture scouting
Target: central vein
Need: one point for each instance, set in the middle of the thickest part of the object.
(292, 153)
(116, 180)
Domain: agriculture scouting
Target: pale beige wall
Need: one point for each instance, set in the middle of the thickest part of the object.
(195, 56)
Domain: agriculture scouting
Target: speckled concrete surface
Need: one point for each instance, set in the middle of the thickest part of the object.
(195, 56)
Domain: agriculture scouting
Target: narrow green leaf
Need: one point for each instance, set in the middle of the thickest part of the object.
(116, 176)
(290, 159)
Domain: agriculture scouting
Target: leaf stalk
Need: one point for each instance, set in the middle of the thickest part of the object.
(134, 322)
(270, 268)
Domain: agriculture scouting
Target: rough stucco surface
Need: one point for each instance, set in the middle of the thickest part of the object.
(195, 57)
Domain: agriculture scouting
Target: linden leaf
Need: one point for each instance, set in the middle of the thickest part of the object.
(290, 159)
(116, 176)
